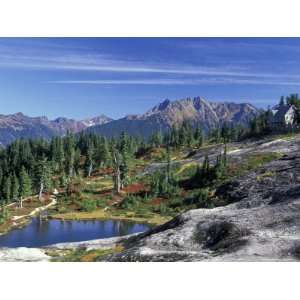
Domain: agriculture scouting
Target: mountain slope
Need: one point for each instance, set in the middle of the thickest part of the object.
(161, 117)
(167, 114)
(20, 126)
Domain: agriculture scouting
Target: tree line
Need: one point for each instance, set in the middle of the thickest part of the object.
(30, 167)
(37, 166)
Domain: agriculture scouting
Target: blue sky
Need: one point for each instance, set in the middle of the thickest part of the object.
(85, 77)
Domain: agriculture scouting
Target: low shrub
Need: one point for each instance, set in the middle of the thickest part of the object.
(204, 200)
(4, 215)
(201, 199)
(130, 202)
(88, 205)
(142, 213)
(163, 209)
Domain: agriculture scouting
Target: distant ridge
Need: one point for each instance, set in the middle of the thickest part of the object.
(21, 126)
(161, 117)
(167, 114)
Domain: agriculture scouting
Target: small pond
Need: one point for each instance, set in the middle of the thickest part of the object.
(46, 232)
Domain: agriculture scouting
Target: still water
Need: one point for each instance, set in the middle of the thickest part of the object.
(41, 232)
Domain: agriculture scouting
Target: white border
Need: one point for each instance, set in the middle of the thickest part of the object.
(152, 280)
(137, 281)
(149, 18)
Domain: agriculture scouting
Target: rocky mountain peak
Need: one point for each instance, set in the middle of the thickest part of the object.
(163, 105)
(168, 113)
(19, 125)
(19, 114)
(99, 120)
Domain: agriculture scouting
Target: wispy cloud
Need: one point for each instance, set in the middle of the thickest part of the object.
(52, 57)
(180, 82)
(103, 63)
(124, 82)
(229, 44)
(59, 58)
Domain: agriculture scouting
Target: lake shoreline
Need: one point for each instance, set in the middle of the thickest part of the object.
(41, 232)
(104, 216)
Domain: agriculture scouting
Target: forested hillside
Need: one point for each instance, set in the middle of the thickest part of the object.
(36, 166)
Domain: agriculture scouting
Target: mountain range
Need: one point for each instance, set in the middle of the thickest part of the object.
(20, 126)
(161, 117)
(167, 114)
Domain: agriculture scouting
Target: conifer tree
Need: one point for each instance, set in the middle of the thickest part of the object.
(102, 153)
(205, 170)
(43, 177)
(116, 160)
(6, 188)
(198, 137)
(57, 154)
(4, 214)
(156, 139)
(25, 186)
(77, 162)
(281, 101)
(124, 158)
(1, 180)
(63, 180)
(15, 186)
(89, 162)
(70, 154)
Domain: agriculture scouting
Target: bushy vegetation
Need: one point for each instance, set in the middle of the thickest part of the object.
(88, 205)
(4, 215)
(200, 199)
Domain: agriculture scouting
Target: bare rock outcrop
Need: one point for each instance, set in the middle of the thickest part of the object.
(261, 224)
(23, 255)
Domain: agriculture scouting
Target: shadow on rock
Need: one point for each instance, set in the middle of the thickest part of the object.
(221, 236)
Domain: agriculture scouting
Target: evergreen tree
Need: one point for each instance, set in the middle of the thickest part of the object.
(63, 180)
(198, 137)
(293, 99)
(102, 156)
(205, 170)
(6, 188)
(1, 180)
(4, 214)
(156, 140)
(116, 160)
(77, 161)
(216, 135)
(225, 133)
(57, 154)
(25, 186)
(43, 177)
(15, 186)
(124, 170)
(89, 162)
(124, 159)
(70, 154)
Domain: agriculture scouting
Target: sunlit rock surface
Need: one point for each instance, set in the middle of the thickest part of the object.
(22, 254)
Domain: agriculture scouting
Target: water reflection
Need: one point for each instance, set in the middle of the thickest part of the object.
(41, 232)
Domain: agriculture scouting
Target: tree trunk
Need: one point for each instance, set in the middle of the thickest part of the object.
(117, 175)
(71, 172)
(118, 180)
(90, 170)
(21, 202)
(41, 191)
